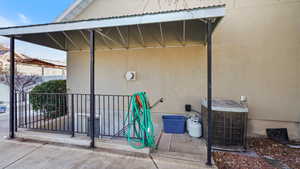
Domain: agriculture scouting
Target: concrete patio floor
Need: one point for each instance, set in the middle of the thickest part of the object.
(20, 154)
(15, 154)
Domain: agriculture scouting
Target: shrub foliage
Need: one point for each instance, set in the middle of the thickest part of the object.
(50, 98)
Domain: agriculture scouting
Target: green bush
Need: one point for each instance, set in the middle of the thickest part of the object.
(53, 86)
(50, 98)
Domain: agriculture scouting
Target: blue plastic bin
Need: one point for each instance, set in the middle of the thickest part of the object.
(2, 109)
(174, 124)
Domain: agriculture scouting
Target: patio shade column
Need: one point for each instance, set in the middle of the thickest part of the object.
(12, 89)
(92, 87)
(209, 90)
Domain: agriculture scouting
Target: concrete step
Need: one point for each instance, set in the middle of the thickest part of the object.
(114, 145)
(54, 138)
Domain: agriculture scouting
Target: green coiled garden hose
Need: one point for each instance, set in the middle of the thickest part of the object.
(140, 131)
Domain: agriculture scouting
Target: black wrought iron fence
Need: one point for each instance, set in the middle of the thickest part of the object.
(70, 113)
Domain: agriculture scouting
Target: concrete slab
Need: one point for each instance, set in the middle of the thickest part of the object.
(12, 151)
(50, 156)
(181, 149)
(55, 138)
(186, 144)
(167, 163)
(164, 143)
(20, 155)
(120, 145)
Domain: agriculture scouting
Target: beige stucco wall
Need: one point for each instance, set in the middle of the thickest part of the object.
(172, 73)
(256, 53)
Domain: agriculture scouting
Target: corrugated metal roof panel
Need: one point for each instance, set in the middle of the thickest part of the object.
(117, 8)
(156, 6)
(167, 16)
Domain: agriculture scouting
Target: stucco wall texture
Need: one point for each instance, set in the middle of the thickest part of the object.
(256, 53)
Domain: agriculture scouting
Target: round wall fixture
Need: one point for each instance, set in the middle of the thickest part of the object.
(130, 75)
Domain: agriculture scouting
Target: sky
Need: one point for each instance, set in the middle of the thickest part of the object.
(28, 12)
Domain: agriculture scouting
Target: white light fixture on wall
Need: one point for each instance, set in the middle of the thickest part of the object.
(130, 75)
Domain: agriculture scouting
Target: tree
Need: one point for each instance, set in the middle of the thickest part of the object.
(22, 82)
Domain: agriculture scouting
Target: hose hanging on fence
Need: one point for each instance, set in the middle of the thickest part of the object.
(140, 131)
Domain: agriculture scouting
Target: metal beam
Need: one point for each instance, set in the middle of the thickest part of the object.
(128, 30)
(122, 37)
(162, 34)
(103, 39)
(141, 36)
(184, 33)
(70, 39)
(12, 89)
(55, 41)
(92, 87)
(216, 23)
(209, 90)
(107, 37)
(84, 37)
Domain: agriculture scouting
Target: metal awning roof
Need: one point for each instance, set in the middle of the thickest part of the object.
(115, 21)
(133, 7)
(56, 35)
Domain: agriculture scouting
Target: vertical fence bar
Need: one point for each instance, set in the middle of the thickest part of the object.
(16, 112)
(64, 106)
(118, 115)
(128, 109)
(59, 110)
(99, 111)
(25, 107)
(39, 121)
(108, 114)
(77, 129)
(51, 113)
(44, 112)
(29, 117)
(104, 125)
(113, 131)
(123, 114)
(21, 120)
(81, 113)
(73, 115)
(68, 112)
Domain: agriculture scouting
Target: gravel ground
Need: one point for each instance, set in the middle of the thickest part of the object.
(271, 149)
(270, 155)
(226, 160)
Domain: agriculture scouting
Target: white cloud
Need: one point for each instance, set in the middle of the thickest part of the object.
(24, 19)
